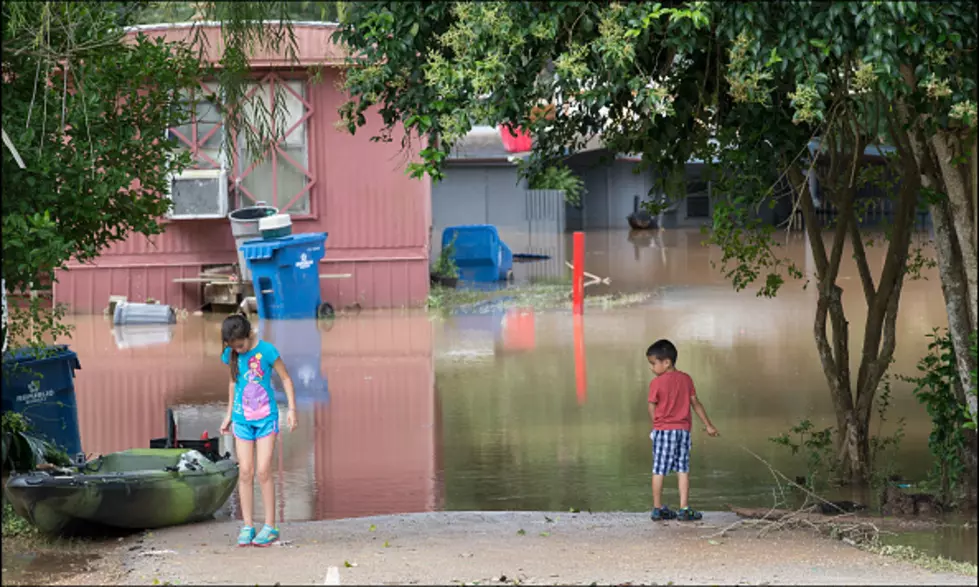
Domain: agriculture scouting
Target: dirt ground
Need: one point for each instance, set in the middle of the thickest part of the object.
(501, 548)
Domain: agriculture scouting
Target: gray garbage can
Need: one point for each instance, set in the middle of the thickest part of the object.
(244, 227)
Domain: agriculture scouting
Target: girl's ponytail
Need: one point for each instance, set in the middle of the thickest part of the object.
(233, 364)
(235, 327)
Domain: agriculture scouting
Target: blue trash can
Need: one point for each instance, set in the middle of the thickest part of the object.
(480, 255)
(41, 386)
(300, 345)
(285, 274)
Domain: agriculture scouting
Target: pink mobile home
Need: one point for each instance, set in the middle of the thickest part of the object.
(356, 190)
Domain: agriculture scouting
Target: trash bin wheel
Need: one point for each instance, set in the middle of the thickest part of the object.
(509, 276)
(325, 311)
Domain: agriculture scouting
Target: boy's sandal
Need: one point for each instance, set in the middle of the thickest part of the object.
(663, 513)
(246, 535)
(689, 515)
(267, 536)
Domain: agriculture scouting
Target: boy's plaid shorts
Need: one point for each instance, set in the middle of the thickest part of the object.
(671, 451)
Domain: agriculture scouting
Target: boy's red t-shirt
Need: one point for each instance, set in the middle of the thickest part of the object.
(671, 392)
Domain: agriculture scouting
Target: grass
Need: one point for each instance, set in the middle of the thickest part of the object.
(539, 296)
(17, 528)
(918, 558)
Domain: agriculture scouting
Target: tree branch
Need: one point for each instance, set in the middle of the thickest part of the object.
(860, 256)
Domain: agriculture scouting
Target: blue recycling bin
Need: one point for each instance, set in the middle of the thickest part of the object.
(41, 386)
(300, 345)
(480, 254)
(285, 274)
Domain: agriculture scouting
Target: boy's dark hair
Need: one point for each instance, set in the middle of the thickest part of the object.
(662, 349)
(235, 327)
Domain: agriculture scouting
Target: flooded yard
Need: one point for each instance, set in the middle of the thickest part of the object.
(499, 409)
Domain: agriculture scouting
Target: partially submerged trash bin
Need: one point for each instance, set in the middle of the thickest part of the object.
(130, 313)
(480, 255)
(244, 227)
(285, 274)
(40, 384)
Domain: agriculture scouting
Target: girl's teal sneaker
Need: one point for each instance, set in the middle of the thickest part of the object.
(267, 536)
(246, 536)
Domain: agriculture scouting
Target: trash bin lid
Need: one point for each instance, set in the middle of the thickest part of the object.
(252, 213)
(264, 249)
(30, 355)
(274, 221)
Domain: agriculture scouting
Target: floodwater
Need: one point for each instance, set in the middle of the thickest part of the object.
(400, 412)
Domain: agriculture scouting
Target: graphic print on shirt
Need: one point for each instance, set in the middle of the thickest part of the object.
(254, 396)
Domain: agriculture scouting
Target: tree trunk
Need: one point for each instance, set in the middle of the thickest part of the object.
(852, 438)
(955, 238)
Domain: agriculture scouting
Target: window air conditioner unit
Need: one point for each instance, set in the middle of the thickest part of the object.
(199, 193)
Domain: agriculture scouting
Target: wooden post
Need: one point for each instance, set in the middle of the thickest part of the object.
(578, 274)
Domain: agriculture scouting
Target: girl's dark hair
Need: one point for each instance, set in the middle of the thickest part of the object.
(235, 327)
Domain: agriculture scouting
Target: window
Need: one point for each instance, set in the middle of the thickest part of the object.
(203, 134)
(281, 177)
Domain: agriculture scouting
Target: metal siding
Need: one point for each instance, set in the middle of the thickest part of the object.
(366, 200)
(376, 284)
(314, 45)
(180, 236)
(86, 290)
(625, 185)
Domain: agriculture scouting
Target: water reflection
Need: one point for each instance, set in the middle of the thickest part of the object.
(141, 335)
(530, 410)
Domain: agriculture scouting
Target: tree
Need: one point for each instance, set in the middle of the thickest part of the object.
(89, 112)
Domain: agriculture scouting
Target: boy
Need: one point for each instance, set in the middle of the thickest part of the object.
(671, 397)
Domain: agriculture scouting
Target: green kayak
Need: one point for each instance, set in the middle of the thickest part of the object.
(138, 489)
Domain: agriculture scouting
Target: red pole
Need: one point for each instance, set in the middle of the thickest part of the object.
(578, 274)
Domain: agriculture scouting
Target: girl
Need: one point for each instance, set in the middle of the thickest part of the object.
(254, 418)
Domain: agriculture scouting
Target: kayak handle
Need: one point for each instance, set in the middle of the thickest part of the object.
(90, 468)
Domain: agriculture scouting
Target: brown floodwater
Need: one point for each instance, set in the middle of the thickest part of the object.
(495, 409)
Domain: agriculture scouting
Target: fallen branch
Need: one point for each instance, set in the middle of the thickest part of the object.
(846, 526)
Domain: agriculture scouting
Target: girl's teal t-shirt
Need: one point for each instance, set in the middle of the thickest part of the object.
(254, 397)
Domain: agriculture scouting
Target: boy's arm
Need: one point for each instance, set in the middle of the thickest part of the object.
(698, 409)
(652, 413)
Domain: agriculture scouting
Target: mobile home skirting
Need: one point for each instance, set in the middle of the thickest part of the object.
(390, 282)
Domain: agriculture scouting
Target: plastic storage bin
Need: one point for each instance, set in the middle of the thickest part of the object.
(480, 255)
(285, 275)
(41, 386)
